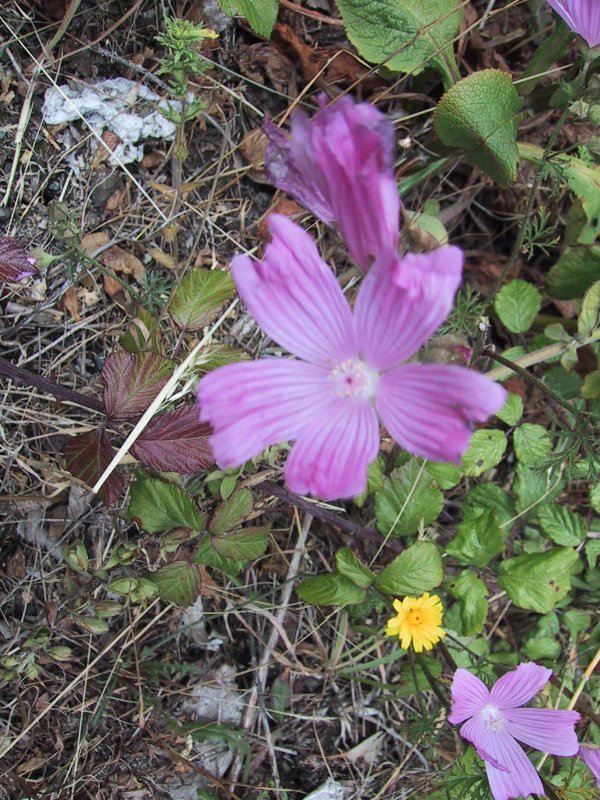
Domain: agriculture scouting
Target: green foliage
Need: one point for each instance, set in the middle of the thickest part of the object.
(516, 304)
(468, 310)
(479, 115)
(563, 526)
(199, 297)
(245, 544)
(161, 506)
(330, 590)
(410, 497)
(588, 316)
(539, 234)
(512, 411)
(182, 60)
(349, 565)
(236, 508)
(472, 593)
(532, 443)
(486, 496)
(538, 581)
(574, 272)
(261, 14)
(485, 450)
(446, 475)
(403, 35)
(478, 540)
(418, 569)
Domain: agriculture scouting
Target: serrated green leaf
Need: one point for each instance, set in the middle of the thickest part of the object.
(574, 272)
(219, 355)
(485, 450)
(261, 14)
(532, 488)
(512, 411)
(532, 443)
(516, 304)
(479, 115)
(588, 316)
(487, 496)
(404, 35)
(472, 594)
(418, 569)
(330, 590)
(590, 388)
(595, 497)
(563, 526)
(539, 648)
(410, 497)
(232, 512)
(538, 581)
(160, 506)
(206, 554)
(445, 475)
(199, 297)
(477, 540)
(178, 582)
(350, 566)
(566, 384)
(245, 544)
(592, 551)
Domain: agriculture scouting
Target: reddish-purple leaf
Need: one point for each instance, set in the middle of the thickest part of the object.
(87, 455)
(132, 381)
(175, 442)
(15, 264)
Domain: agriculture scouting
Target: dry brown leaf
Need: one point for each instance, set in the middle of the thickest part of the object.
(119, 200)
(266, 64)
(92, 241)
(69, 302)
(253, 147)
(111, 141)
(152, 159)
(120, 260)
(112, 287)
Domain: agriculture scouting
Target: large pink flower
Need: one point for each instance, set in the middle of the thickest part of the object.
(339, 165)
(351, 367)
(582, 16)
(493, 721)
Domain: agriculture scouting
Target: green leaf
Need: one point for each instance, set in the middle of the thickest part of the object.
(516, 304)
(405, 35)
(592, 551)
(541, 647)
(418, 569)
(349, 566)
(479, 115)
(595, 497)
(206, 554)
(178, 582)
(330, 590)
(577, 621)
(591, 385)
(532, 488)
(588, 316)
(488, 496)
(199, 297)
(472, 594)
(563, 526)
(410, 497)
(160, 506)
(574, 272)
(532, 443)
(445, 475)
(219, 355)
(261, 14)
(485, 450)
(242, 545)
(538, 581)
(232, 512)
(477, 540)
(512, 411)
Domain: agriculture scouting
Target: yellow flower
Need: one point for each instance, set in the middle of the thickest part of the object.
(417, 621)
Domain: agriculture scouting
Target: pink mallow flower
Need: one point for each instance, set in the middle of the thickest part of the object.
(590, 755)
(340, 165)
(350, 370)
(582, 16)
(494, 721)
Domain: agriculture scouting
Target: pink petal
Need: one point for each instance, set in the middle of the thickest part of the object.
(510, 773)
(295, 297)
(331, 455)
(543, 728)
(429, 409)
(519, 686)
(469, 696)
(590, 755)
(340, 166)
(582, 16)
(253, 405)
(403, 301)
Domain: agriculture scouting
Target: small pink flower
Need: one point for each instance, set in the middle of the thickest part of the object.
(493, 721)
(582, 16)
(350, 370)
(590, 755)
(339, 165)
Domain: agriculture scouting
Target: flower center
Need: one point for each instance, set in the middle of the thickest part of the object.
(492, 720)
(414, 617)
(354, 378)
